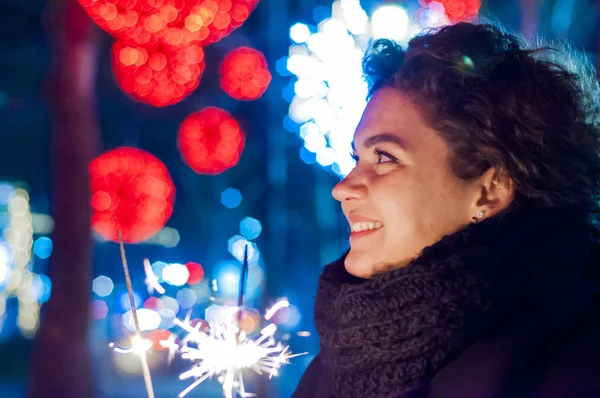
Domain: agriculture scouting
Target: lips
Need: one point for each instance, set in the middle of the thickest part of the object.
(358, 232)
(362, 226)
(365, 225)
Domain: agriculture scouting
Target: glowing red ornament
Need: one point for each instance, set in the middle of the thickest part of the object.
(245, 74)
(133, 192)
(173, 22)
(210, 141)
(161, 76)
(457, 10)
(196, 273)
(212, 20)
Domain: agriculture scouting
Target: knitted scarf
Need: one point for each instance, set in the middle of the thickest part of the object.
(387, 336)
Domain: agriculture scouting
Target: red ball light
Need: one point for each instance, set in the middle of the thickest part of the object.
(196, 273)
(212, 20)
(245, 74)
(210, 141)
(133, 192)
(172, 22)
(160, 76)
(459, 10)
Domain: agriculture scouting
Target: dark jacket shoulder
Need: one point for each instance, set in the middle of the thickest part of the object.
(524, 360)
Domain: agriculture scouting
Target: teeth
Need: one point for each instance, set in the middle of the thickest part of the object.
(364, 225)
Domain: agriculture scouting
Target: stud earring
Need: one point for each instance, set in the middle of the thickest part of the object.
(479, 215)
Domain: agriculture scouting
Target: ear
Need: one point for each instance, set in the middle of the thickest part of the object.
(496, 191)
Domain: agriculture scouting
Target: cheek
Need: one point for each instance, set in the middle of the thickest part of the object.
(412, 205)
(399, 202)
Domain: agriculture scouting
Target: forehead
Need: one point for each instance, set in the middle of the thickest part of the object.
(393, 112)
(387, 111)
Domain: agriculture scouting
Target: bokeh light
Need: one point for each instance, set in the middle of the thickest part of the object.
(219, 18)
(160, 75)
(99, 309)
(169, 303)
(457, 10)
(237, 246)
(186, 298)
(328, 92)
(42, 247)
(250, 228)
(157, 268)
(390, 22)
(175, 274)
(299, 33)
(245, 74)
(250, 320)
(167, 318)
(288, 317)
(147, 319)
(329, 88)
(124, 301)
(210, 141)
(202, 290)
(21, 280)
(133, 192)
(231, 198)
(6, 264)
(42, 286)
(432, 15)
(153, 303)
(7, 192)
(214, 313)
(172, 22)
(227, 273)
(156, 336)
(196, 273)
(103, 286)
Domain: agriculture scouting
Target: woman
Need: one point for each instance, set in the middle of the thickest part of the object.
(473, 263)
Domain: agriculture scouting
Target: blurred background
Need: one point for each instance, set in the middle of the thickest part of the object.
(197, 128)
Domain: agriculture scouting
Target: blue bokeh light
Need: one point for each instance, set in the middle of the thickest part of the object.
(250, 228)
(7, 191)
(231, 198)
(42, 247)
(227, 274)
(6, 263)
(43, 287)
(125, 304)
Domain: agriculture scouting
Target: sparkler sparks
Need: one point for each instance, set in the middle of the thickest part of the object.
(152, 279)
(225, 351)
(138, 346)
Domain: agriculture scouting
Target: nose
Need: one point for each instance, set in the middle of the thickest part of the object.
(350, 188)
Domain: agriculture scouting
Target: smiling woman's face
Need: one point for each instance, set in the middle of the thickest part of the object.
(402, 187)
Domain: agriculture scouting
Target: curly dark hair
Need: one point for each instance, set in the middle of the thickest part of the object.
(532, 112)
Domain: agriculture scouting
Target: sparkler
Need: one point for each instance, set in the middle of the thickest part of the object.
(137, 342)
(225, 350)
(152, 279)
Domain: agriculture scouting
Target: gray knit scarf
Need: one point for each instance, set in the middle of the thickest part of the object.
(389, 335)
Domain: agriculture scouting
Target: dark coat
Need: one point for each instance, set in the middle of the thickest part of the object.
(547, 350)
(524, 360)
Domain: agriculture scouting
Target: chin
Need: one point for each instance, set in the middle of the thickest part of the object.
(359, 265)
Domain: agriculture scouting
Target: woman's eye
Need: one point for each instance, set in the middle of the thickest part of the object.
(384, 157)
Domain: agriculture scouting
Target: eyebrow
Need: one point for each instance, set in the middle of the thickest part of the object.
(384, 137)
